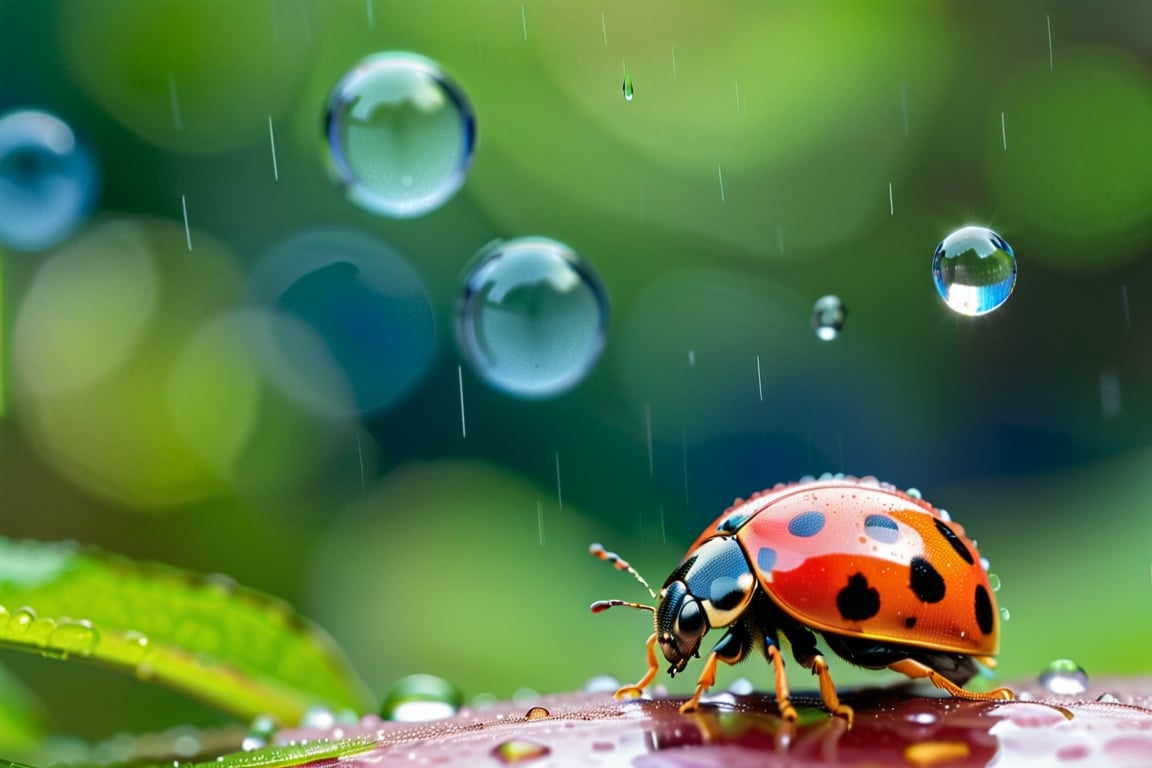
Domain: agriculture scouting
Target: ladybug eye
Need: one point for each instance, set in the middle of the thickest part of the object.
(690, 623)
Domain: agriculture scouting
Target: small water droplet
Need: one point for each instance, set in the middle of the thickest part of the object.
(984, 564)
(48, 180)
(629, 91)
(419, 698)
(1064, 677)
(994, 582)
(318, 717)
(525, 696)
(77, 638)
(1108, 698)
(532, 317)
(537, 713)
(400, 135)
(921, 717)
(974, 270)
(828, 315)
(21, 621)
(601, 684)
(914, 493)
(519, 751)
(741, 686)
(1005, 614)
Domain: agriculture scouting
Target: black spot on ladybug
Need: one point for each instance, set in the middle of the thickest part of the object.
(858, 601)
(951, 537)
(910, 622)
(926, 581)
(983, 610)
(766, 559)
(806, 524)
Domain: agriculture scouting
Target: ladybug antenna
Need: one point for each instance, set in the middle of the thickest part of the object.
(598, 551)
(602, 605)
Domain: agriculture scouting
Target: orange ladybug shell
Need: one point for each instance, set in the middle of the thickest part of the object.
(862, 558)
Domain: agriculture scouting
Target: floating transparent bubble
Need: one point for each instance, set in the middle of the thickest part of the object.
(1064, 677)
(368, 310)
(828, 315)
(419, 698)
(532, 317)
(48, 180)
(974, 270)
(400, 135)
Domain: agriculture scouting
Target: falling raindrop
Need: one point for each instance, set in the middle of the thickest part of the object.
(994, 582)
(828, 315)
(1005, 614)
(48, 180)
(1064, 677)
(419, 698)
(974, 270)
(532, 317)
(629, 91)
(400, 135)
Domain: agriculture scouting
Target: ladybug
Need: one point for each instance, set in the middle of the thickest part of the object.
(886, 579)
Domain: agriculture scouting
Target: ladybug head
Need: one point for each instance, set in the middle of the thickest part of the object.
(711, 588)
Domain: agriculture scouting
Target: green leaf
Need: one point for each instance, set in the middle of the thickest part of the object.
(237, 649)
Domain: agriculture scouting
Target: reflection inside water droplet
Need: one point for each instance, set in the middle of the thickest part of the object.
(974, 270)
(537, 713)
(532, 317)
(1064, 677)
(400, 135)
(519, 751)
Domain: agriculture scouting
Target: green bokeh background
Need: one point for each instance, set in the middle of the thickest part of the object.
(850, 138)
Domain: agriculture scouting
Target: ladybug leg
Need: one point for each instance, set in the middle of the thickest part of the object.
(730, 649)
(649, 676)
(804, 649)
(783, 692)
(913, 668)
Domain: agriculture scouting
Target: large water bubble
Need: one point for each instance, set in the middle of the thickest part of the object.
(974, 270)
(48, 180)
(368, 311)
(532, 317)
(400, 134)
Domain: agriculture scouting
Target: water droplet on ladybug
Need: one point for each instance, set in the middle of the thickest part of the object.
(419, 698)
(519, 751)
(914, 493)
(537, 713)
(1064, 677)
(828, 315)
(994, 582)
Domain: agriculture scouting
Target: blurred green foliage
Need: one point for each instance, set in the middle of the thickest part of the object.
(850, 141)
